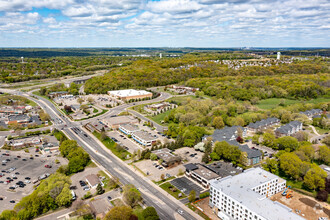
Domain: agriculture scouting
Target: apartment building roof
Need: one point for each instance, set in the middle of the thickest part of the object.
(239, 188)
(263, 123)
(225, 134)
(285, 129)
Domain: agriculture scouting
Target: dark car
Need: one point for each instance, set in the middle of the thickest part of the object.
(109, 198)
(17, 173)
(1, 198)
(31, 158)
(15, 178)
(12, 188)
(27, 178)
(12, 201)
(24, 159)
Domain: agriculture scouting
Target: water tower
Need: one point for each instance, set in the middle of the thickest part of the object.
(278, 55)
(22, 58)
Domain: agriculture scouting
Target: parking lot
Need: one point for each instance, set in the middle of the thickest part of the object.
(185, 185)
(154, 173)
(129, 144)
(21, 168)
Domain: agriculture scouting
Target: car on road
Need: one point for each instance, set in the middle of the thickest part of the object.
(109, 198)
(27, 178)
(180, 212)
(48, 166)
(12, 201)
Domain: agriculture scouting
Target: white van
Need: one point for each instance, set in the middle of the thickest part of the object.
(73, 195)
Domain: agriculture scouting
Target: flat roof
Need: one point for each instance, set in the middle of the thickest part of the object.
(121, 120)
(92, 179)
(144, 135)
(130, 127)
(205, 173)
(239, 187)
(128, 92)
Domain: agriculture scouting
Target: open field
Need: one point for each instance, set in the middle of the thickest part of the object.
(274, 102)
(305, 206)
(160, 117)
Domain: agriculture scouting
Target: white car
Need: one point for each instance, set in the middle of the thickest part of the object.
(180, 212)
(27, 181)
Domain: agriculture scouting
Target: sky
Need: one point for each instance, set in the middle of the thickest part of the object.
(164, 23)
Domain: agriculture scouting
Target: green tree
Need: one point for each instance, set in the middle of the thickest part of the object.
(290, 164)
(287, 142)
(270, 165)
(99, 189)
(65, 197)
(119, 213)
(218, 122)
(150, 213)
(315, 178)
(324, 154)
(80, 100)
(153, 156)
(308, 150)
(268, 140)
(131, 195)
(326, 140)
(192, 196)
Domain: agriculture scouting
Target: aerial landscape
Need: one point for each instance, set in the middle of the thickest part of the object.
(164, 110)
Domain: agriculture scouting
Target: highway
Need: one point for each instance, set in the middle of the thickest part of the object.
(166, 205)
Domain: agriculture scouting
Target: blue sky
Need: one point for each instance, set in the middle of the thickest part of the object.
(164, 23)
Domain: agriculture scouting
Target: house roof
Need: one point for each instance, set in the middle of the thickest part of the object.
(92, 179)
(251, 153)
(311, 112)
(263, 123)
(227, 133)
(285, 129)
(190, 166)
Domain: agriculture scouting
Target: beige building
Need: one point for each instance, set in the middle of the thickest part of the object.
(128, 94)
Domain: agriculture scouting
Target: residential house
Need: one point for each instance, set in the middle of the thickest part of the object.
(311, 113)
(93, 180)
(226, 134)
(289, 129)
(263, 124)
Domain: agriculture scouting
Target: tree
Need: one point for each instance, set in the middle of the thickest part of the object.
(308, 150)
(162, 177)
(150, 213)
(290, 164)
(90, 100)
(119, 213)
(65, 197)
(315, 178)
(192, 196)
(80, 101)
(44, 116)
(99, 189)
(287, 142)
(131, 195)
(254, 100)
(285, 118)
(153, 156)
(268, 140)
(270, 165)
(324, 154)
(326, 140)
(205, 158)
(218, 122)
(301, 136)
(322, 195)
(214, 156)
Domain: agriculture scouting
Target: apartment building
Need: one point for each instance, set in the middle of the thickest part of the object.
(289, 129)
(263, 124)
(245, 197)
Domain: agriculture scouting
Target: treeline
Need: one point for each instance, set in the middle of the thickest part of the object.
(302, 86)
(149, 73)
(52, 193)
(13, 70)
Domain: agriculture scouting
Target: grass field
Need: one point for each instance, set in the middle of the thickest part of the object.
(274, 102)
(180, 99)
(111, 145)
(160, 117)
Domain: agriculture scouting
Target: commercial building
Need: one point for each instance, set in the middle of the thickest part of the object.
(20, 119)
(289, 129)
(245, 197)
(56, 94)
(128, 129)
(24, 142)
(10, 110)
(168, 158)
(128, 94)
(115, 122)
(200, 173)
(144, 138)
(204, 173)
(93, 180)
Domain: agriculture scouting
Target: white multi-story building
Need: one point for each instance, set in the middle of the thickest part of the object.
(244, 197)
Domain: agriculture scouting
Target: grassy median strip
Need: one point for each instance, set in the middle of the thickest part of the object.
(111, 145)
(169, 188)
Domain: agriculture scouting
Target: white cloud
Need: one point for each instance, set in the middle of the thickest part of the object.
(196, 22)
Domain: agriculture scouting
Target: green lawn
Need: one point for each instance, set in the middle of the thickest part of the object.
(274, 102)
(162, 181)
(198, 211)
(160, 117)
(180, 99)
(111, 145)
(321, 131)
(166, 186)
